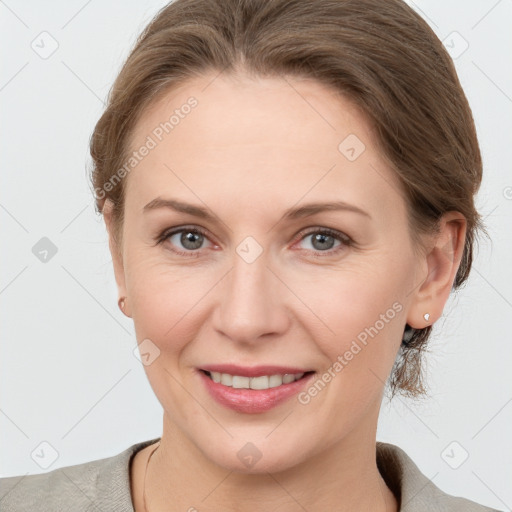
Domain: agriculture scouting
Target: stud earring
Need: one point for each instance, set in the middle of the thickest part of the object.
(121, 303)
(409, 331)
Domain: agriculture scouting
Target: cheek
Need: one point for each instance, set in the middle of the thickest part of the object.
(164, 311)
(366, 315)
(362, 311)
(166, 301)
(356, 294)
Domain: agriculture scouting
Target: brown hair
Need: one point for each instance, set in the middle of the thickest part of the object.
(379, 54)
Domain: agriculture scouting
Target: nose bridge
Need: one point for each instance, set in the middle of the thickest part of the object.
(250, 305)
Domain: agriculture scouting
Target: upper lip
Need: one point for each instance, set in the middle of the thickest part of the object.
(252, 371)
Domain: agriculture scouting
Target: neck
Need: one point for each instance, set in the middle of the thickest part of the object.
(344, 478)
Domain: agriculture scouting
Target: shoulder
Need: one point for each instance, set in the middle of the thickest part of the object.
(417, 492)
(102, 484)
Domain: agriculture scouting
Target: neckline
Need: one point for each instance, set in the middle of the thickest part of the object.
(387, 458)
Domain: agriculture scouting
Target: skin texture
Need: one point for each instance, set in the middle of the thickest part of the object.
(248, 151)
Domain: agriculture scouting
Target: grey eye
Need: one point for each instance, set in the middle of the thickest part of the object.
(188, 238)
(321, 241)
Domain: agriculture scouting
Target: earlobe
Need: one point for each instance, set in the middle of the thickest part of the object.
(116, 253)
(442, 261)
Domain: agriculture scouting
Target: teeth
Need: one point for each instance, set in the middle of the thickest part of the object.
(226, 379)
(263, 382)
(287, 378)
(259, 382)
(240, 382)
(274, 381)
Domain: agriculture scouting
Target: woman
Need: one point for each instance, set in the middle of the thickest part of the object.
(288, 189)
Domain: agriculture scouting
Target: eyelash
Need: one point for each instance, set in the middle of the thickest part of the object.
(345, 240)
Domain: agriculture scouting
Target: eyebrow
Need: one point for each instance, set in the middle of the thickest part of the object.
(293, 213)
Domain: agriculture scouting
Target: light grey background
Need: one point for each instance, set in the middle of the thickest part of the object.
(68, 375)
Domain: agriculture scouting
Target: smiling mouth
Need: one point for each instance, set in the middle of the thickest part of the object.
(256, 383)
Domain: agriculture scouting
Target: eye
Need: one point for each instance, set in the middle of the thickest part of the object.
(322, 240)
(189, 238)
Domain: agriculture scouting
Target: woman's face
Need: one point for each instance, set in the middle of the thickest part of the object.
(260, 283)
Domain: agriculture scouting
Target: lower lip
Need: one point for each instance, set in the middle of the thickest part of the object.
(253, 401)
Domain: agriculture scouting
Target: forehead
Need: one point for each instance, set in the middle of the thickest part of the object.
(233, 110)
(263, 138)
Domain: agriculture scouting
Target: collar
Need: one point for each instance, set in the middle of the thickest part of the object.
(104, 484)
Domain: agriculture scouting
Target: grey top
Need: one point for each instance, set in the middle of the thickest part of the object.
(104, 485)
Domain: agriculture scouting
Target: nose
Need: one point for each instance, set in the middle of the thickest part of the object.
(252, 302)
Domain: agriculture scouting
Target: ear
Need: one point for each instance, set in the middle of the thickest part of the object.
(442, 261)
(116, 253)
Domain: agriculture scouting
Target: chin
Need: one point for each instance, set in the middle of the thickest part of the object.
(255, 457)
